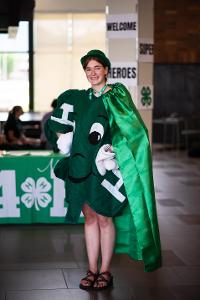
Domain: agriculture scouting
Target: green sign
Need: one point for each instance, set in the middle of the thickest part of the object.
(29, 190)
(146, 99)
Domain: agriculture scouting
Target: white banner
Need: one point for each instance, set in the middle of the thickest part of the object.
(124, 72)
(122, 26)
(145, 50)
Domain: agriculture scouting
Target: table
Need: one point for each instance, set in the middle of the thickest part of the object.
(29, 190)
(34, 117)
(176, 123)
(188, 133)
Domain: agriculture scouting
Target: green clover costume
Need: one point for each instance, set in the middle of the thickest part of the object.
(126, 195)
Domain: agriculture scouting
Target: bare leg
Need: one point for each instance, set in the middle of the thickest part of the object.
(92, 237)
(99, 230)
(107, 238)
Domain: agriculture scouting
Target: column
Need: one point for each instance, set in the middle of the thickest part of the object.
(130, 48)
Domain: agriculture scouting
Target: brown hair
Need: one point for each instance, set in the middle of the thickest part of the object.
(16, 109)
(99, 60)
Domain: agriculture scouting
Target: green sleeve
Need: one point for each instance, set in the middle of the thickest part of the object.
(61, 120)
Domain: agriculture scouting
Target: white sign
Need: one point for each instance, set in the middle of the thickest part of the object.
(122, 26)
(145, 50)
(124, 72)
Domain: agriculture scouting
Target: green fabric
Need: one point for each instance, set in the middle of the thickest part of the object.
(82, 179)
(131, 145)
(98, 54)
(137, 226)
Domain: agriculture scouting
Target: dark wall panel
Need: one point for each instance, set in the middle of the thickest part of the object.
(176, 89)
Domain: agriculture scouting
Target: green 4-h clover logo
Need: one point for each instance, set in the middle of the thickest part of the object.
(146, 93)
(36, 192)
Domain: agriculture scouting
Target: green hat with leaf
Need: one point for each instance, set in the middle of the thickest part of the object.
(96, 54)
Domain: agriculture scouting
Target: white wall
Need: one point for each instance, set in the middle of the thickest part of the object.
(70, 6)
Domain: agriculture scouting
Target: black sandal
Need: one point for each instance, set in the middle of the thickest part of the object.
(106, 278)
(90, 279)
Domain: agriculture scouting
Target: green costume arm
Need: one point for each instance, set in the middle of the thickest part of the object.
(131, 145)
(60, 121)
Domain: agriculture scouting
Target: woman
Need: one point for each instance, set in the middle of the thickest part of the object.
(107, 171)
(13, 129)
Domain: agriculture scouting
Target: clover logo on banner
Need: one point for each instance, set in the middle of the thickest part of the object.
(146, 96)
(36, 193)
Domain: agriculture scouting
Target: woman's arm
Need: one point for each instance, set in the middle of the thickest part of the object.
(12, 138)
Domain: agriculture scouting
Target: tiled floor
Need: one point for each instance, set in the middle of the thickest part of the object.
(41, 262)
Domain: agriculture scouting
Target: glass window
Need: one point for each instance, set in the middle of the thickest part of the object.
(59, 42)
(14, 67)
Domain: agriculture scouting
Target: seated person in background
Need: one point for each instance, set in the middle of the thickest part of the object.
(2, 139)
(44, 141)
(13, 129)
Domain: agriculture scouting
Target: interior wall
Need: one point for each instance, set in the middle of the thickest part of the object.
(70, 6)
(177, 31)
(176, 89)
(177, 58)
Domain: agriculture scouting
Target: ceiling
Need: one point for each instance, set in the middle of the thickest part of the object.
(11, 12)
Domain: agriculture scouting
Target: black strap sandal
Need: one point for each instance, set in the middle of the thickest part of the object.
(89, 279)
(104, 281)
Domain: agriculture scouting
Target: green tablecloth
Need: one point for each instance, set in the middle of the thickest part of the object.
(29, 190)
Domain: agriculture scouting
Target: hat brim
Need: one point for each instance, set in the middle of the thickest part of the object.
(102, 58)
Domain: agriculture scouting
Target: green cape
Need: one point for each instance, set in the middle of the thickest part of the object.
(137, 228)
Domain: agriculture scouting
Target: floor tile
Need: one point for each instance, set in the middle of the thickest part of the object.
(187, 251)
(181, 174)
(154, 293)
(110, 294)
(137, 277)
(31, 279)
(191, 183)
(73, 277)
(189, 275)
(159, 166)
(157, 190)
(174, 166)
(190, 219)
(171, 259)
(57, 294)
(124, 261)
(2, 295)
(169, 202)
(186, 292)
(5, 266)
(168, 210)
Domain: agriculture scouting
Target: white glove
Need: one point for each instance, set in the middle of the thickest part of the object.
(64, 143)
(105, 159)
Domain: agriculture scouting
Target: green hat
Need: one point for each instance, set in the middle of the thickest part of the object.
(98, 54)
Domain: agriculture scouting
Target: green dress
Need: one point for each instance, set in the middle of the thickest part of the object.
(126, 195)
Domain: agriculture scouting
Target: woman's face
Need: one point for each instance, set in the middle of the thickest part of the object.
(96, 73)
(18, 113)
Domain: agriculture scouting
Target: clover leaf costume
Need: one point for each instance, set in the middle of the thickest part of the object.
(126, 194)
